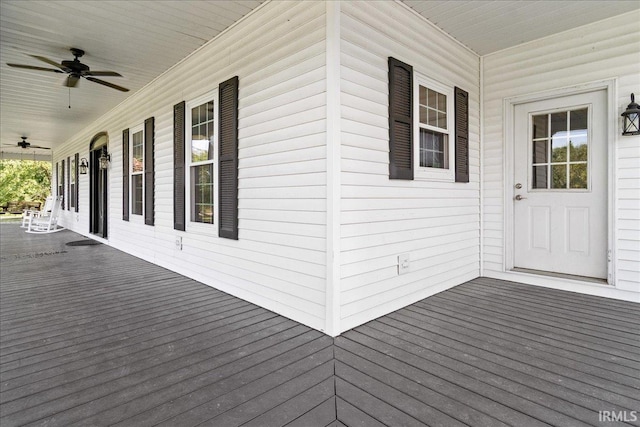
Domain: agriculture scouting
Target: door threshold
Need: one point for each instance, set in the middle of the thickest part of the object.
(561, 275)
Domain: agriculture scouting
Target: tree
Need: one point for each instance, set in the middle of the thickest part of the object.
(24, 180)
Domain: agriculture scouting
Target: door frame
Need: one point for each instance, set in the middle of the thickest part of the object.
(94, 171)
(509, 105)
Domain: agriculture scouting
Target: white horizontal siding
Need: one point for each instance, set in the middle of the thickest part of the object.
(604, 50)
(437, 223)
(279, 261)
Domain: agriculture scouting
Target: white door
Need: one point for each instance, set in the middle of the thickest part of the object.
(560, 191)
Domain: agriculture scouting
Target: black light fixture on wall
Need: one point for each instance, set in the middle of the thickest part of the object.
(83, 167)
(631, 118)
(104, 160)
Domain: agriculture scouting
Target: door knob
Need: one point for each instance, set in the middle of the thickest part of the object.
(519, 197)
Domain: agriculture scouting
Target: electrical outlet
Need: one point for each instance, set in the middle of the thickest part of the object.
(403, 263)
(179, 243)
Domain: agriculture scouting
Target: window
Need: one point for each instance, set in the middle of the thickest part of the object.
(137, 171)
(560, 145)
(434, 115)
(433, 107)
(201, 157)
(72, 182)
(205, 163)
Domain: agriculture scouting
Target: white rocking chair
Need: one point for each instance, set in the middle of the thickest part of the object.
(46, 223)
(27, 214)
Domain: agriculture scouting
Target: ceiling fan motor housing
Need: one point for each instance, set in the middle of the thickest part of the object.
(75, 67)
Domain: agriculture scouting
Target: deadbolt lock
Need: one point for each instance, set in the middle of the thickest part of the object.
(518, 186)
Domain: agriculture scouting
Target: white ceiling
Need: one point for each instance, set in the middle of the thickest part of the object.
(142, 39)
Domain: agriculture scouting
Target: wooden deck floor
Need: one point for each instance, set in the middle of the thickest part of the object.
(92, 336)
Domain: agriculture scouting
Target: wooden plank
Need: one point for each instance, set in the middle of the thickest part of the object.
(322, 415)
(545, 374)
(438, 315)
(27, 340)
(485, 379)
(75, 361)
(392, 397)
(566, 332)
(291, 409)
(240, 407)
(102, 341)
(350, 414)
(586, 319)
(427, 394)
(92, 370)
(101, 395)
(547, 336)
(366, 408)
(471, 403)
(575, 300)
(277, 362)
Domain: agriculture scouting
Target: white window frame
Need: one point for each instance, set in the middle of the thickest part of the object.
(133, 217)
(191, 226)
(430, 173)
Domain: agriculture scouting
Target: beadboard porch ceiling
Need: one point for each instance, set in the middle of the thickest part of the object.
(143, 39)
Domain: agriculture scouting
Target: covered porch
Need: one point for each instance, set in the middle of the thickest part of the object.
(93, 336)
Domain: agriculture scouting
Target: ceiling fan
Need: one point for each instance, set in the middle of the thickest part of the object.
(24, 144)
(75, 69)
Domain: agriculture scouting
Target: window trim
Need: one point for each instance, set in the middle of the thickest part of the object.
(191, 226)
(429, 173)
(134, 217)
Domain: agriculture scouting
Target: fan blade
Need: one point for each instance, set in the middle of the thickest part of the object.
(111, 85)
(42, 148)
(72, 81)
(48, 61)
(102, 73)
(31, 67)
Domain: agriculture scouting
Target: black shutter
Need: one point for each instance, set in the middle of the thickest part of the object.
(178, 166)
(75, 174)
(68, 172)
(64, 197)
(149, 187)
(228, 159)
(462, 135)
(400, 120)
(125, 175)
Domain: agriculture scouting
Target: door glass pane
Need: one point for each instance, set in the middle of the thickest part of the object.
(578, 149)
(578, 121)
(539, 177)
(559, 149)
(540, 151)
(578, 175)
(559, 123)
(540, 126)
(559, 176)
